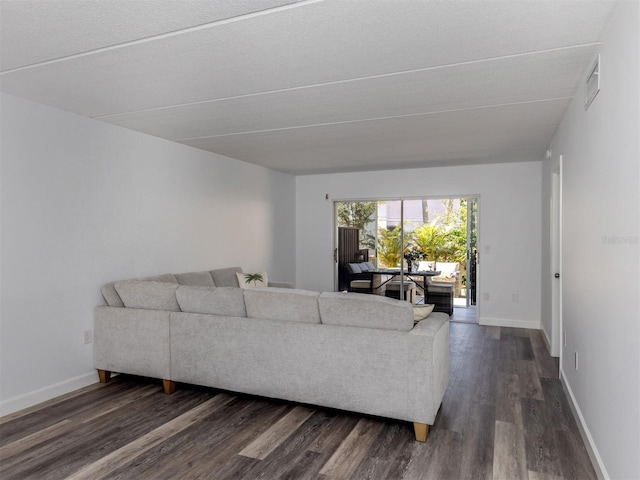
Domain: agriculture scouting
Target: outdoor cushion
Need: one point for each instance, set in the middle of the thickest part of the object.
(354, 268)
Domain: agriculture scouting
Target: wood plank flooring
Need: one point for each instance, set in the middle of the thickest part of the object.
(504, 416)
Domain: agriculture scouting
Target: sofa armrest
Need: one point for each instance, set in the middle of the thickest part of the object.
(429, 361)
(430, 325)
(281, 284)
(132, 340)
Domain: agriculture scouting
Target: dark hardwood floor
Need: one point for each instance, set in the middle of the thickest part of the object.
(504, 416)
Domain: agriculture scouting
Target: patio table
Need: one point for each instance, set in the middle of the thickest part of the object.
(395, 272)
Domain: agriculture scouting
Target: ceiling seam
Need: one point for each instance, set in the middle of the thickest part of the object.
(374, 119)
(160, 36)
(349, 80)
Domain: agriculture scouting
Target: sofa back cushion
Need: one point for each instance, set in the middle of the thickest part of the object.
(225, 277)
(282, 304)
(360, 310)
(201, 279)
(165, 278)
(111, 296)
(147, 294)
(226, 301)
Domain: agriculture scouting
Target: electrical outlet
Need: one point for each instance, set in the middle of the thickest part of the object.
(487, 249)
(576, 360)
(88, 337)
(486, 296)
(515, 297)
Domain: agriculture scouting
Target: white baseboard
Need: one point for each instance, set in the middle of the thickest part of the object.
(40, 395)
(508, 322)
(594, 455)
(547, 342)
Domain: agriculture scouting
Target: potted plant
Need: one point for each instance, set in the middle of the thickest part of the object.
(413, 255)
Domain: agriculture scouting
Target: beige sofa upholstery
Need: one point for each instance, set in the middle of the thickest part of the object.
(353, 352)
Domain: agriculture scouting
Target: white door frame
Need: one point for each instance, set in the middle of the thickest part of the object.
(556, 261)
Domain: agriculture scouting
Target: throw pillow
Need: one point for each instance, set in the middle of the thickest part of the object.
(420, 312)
(250, 280)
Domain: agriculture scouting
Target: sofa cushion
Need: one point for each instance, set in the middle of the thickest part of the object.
(244, 280)
(420, 312)
(111, 296)
(448, 269)
(354, 268)
(361, 310)
(147, 294)
(165, 278)
(227, 301)
(282, 304)
(225, 277)
(201, 279)
(425, 265)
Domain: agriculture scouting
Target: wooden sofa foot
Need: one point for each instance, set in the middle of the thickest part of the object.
(104, 375)
(169, 386)
(421, 430)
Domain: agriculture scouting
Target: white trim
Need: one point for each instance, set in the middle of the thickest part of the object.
(546, 339)
(594, 455)
(508, 322)
(40, 395)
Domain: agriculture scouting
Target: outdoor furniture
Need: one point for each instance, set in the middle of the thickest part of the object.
(358, 277)
(360, 286)
(449, 274)
(409, 277)
(441, 295)
(392, 290)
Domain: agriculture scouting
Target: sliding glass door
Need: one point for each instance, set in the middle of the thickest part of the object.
(416, 234)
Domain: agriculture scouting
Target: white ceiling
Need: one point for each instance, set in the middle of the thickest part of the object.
(312, 86)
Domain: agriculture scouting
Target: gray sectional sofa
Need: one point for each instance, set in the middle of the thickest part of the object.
(355, 352)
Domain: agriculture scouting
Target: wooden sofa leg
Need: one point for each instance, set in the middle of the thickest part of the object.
(421, 430)
(169, 386)
(104, 375)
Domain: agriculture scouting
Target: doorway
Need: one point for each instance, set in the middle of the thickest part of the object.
(556, 260)
(417, 234)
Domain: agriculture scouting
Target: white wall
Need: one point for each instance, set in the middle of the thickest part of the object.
(84, 203)
(601, 249)
(509, 224)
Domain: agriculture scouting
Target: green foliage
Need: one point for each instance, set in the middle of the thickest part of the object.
(253, 277)
(358, 215)
(389, 247)
(434, 240)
